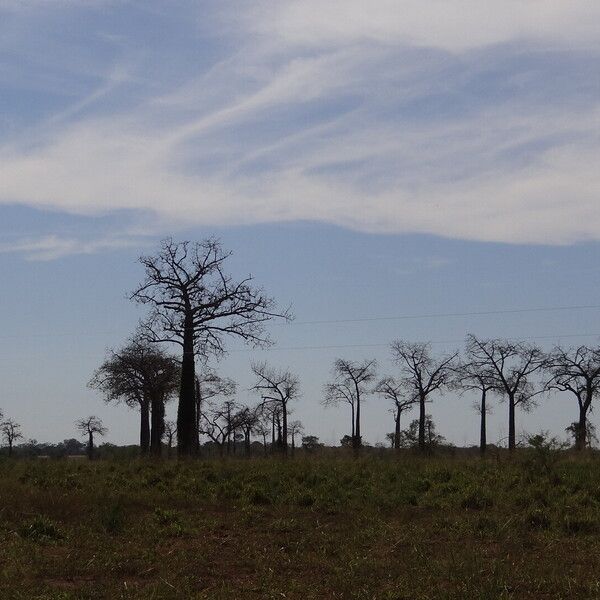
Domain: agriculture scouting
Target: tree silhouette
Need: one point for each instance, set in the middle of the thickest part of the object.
(90, 427)
(194, 303)
(422, 375)
(511, 366)
(11, 431)
(278, 388)
(576, 370)
(395, 391)
(353, 376)
(140, 375)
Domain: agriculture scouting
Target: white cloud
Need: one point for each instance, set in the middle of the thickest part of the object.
(336, 133)
(52, 247)
(447, 24)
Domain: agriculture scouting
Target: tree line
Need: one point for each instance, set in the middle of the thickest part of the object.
(195, 305)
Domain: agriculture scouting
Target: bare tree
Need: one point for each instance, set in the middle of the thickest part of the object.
(209, 385)
(140, 375)
(295, 428)
(196, 305)
(247, 419)
(576, 370)
(354, 376)
(170, 432)
(217, 422)
(341, 392)
(474, 376)
(11, 431)
(512, 365)
(422, 375)
(90, 427)
(395, 391)
(277, 387)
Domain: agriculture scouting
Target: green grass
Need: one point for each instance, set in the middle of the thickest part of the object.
(373, 528)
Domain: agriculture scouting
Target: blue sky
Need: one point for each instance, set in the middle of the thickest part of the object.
(361, 159)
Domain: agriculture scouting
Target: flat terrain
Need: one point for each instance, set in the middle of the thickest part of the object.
(389, 528)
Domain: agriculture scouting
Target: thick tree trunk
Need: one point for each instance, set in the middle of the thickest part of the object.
(352, 407)
(198, 396)
(158, 426)
(512, 440)
(10, 447)
(422, 442)
(186, 411)
(397, 429)
(284, 433)
(581, 431)
(483, 432)
(144, 427)
(356, 441)
(90, 448)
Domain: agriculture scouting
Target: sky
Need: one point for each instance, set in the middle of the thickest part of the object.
(390, 166)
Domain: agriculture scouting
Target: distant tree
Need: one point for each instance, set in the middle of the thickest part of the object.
(217, 423)
(395, 391)
(352, 376)
(196, 304)
(170, 433)
(341, 392)
(11, 431)
(347, 441)
(295, 428)
(90, 427)
(422, 375)
(209, 386)
(512, 365)
(310, 443)
(279, 388)
(472, 375)
(411, 436)
(140, 375)
(263, 428)
(576, 370)
(247, 419)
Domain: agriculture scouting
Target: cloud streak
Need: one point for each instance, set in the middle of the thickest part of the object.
(379, 121)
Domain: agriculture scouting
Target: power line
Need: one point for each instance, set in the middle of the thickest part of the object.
(456, 314)
(340, 321)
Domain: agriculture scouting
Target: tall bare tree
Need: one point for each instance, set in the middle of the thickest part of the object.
(295, 428)
(89, 427)
(209, 385)
(422, 375)
(511, 366)
(143, 376)
(341, 393)
(395, 391)
(194, 303)
(11, 432)
(576, 370)
(354, 376)
(474, 376)
(170, 433)
(279, 388)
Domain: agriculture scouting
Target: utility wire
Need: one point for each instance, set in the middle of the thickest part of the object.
(341, 321)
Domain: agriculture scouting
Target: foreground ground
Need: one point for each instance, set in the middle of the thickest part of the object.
(406, 528)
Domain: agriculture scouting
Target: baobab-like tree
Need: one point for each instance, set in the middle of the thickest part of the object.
(278, 388)
(511, 366)
(576, 370)
(195, 304)
(210, 385)
(295, 428)
(474, 376)
(170, 431)
(341, 393)
(353, 376)
(422, 375)
(143, 376)
(89, 427)
(217, 422)
(395, 391)
(11, 432)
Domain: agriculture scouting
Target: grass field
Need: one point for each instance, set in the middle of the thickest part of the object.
(371, 528)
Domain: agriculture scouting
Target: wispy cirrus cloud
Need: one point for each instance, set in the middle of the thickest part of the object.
(468, 120)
